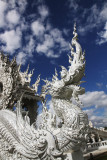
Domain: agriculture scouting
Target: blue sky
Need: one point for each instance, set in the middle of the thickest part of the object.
(38, 32)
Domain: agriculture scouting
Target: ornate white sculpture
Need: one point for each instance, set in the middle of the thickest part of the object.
(36, 84)
(13, 81)
(50, 140)
(75, 125)
(25, 76)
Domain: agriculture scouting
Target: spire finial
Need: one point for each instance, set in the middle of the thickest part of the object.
(75, 32)
(75, 27)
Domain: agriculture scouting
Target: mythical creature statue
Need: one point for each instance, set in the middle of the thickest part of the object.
(60, 135)
(75, 127)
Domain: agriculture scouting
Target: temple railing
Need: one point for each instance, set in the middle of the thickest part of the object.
(97, 145)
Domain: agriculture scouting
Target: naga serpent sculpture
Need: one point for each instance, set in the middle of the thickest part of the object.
(75, 125)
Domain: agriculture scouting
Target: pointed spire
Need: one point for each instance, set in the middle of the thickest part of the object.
(70, 59)
(75, 32)
(27, 70)
(56, 74)
(0, 55)
(55, 77)
(36, 84)
(63, 72)
(44, 106)
(19, 67)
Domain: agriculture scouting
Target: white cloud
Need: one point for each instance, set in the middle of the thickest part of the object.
(10, 14)
(66, 31)
(92, 20)
(11, 11)
(73, 4)
(58, 38)
(49, 39)
(13, 17)
(3, 7)
(98, 121)
(37, 28)
(105, 26)
(21, 5)
(103, 13)
(45, 39)
(95, 17)
(53, 62)
(95, 98)
(29, 48)
(43, 11)
(52, 39)
(21, 58)
(47, 44)
(102, 36)
(99, 84)
(90, 112)
(51, 54)
(26, 52)
(12, 40)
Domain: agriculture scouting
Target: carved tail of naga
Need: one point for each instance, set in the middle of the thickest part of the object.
(19, 140)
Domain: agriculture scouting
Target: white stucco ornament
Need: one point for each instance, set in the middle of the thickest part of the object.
(50, 140)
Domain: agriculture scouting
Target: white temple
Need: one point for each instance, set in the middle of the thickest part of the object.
(21, 138)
